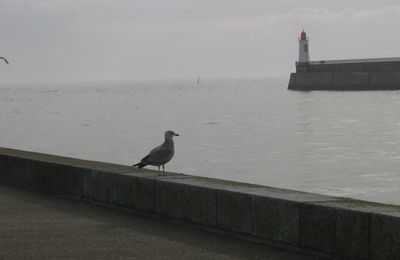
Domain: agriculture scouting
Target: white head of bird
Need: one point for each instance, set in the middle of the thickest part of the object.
(170, 134)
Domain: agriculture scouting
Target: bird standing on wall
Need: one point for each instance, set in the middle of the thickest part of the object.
(5, 60)
(160, 155)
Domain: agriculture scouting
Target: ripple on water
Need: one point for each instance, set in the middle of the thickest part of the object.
(254, 130)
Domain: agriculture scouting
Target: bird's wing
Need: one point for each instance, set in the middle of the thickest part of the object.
(5, 60)
(160, 154)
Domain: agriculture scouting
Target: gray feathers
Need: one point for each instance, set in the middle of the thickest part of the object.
(161, 154)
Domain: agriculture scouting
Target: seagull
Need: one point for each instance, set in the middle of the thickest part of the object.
(160, 155)
(5, 60)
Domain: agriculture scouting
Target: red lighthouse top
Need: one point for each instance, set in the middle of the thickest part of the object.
(303, 36)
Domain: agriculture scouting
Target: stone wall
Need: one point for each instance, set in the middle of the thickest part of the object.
(312, 223)
(346, 76)
(350, 67)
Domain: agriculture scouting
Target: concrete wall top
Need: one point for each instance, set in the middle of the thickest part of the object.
(312, 223)
(178, 178)
(351, 67)
(245, 188)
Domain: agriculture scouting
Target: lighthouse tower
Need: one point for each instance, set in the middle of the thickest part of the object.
(304, 56)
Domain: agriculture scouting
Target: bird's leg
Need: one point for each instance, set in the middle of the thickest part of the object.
(158, 167)
(163, 169)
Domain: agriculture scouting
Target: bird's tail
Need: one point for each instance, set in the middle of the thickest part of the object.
(140, 165)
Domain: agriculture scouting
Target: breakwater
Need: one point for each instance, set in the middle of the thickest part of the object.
(366, 74)
(316, 224)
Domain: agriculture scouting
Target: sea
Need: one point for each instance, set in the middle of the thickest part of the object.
(253, 130)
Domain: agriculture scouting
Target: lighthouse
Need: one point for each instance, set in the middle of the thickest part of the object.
(304, 56)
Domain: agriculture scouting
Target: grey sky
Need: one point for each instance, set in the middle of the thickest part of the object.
(132, 39)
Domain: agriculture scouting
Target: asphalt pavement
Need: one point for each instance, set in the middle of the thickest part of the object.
(41, 226)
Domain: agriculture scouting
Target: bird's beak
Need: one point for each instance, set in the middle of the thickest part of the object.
(176, 134)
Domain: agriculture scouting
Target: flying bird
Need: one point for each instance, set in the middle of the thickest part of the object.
(160, 155)
(5, 60)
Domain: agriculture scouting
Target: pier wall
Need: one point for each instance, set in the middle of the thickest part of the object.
(339, 228)
(346, 76)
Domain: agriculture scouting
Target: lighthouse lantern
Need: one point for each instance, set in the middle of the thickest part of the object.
(304, 56)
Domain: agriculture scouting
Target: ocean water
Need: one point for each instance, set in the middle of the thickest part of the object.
(248, 130)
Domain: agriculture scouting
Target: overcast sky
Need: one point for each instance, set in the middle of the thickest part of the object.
(140, 39)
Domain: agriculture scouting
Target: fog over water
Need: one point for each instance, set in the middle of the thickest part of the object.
(250, 130)
(136, 39)
(103, 80)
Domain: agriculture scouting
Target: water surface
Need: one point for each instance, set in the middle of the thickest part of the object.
(249, 130)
